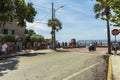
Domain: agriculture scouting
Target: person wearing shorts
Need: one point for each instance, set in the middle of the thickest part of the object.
(4, 48)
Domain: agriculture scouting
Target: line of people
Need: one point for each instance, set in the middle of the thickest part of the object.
(8, 47)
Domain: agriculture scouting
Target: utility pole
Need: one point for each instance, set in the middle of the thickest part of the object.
(53, 16)
(53, 26)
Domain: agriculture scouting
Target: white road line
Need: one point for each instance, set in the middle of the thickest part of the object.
(85, 69)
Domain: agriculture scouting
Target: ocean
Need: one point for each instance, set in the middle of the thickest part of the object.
(87, 42)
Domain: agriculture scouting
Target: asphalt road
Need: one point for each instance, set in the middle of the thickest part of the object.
(54, 66)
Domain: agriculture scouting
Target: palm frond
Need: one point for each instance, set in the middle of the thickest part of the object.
(97, 15)
(55, 23)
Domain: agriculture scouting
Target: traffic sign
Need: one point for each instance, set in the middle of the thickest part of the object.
(115, 32)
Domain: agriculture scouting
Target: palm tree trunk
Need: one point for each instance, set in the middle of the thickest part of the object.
(107, 11)
(52, 39)
(54, 47)
(108, 35)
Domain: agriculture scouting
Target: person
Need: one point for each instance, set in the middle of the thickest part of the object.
(15, 48)
(0, 48)
(115, 46)
(92, 47)
(4, 48)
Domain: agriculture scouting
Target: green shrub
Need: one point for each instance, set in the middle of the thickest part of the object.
(36, 38)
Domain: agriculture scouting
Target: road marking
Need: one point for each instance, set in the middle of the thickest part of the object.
(85, 69)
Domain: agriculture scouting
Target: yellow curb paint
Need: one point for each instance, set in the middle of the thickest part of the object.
(109, 73)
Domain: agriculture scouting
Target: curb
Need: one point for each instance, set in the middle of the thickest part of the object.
(109, 73)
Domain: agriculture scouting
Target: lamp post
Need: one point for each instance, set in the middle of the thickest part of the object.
(53, 30)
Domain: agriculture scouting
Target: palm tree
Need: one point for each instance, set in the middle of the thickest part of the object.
(56, 26)
(116, 16)
(102, 10)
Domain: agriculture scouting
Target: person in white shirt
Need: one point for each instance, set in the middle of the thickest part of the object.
(4, 48)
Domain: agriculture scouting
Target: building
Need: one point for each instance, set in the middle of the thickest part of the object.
(12, 28)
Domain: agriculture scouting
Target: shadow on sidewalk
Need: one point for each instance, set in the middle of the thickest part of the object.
(10, 62)
(31, 54)
(62, 50)
(7, 64)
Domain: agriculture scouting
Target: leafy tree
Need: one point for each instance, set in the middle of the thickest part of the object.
(7, 38)
(31, 36)
(56, 26)
(24, 12)
(115, 6)
(102, 10)
(26, 31)
(29, 33)
(6, 11)
(36, 38)
(16, 9)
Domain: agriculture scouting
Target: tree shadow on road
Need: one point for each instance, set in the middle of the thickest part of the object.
(62, 50)
(7, 64)
(10, 62)
(31, 54)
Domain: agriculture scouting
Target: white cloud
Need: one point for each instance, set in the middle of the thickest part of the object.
(105, 29)
(38, 26)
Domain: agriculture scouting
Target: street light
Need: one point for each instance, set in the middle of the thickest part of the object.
(59, 8)
(54, 10)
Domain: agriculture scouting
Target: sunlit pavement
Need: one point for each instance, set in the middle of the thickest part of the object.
(116, 67)
(60, 65)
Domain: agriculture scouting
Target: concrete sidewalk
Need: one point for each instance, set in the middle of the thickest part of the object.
(27, 52)
(115, 59)
(34, 51)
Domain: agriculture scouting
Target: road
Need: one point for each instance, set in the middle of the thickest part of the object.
(54, 66)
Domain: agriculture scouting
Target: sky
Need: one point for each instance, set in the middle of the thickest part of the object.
(77, 17)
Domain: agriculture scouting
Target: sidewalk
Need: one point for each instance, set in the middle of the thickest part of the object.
(34, 51)
(115, 67)
(27, 52)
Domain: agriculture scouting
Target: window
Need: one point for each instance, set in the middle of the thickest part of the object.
(13, 32)
(5, 31)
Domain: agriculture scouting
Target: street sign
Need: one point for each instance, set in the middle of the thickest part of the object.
(115, 32)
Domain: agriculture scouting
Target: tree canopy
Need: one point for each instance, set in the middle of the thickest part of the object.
(55, 24)
(115, 17)
(114, 6)
(6, 11)
(36, 38)
(16, 9)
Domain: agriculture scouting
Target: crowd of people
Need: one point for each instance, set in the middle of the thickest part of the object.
(14, 47)
(9, 47)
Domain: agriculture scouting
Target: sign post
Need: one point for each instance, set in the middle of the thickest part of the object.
(115, 32)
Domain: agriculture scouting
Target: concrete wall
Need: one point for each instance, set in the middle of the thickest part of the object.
(17, 30)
